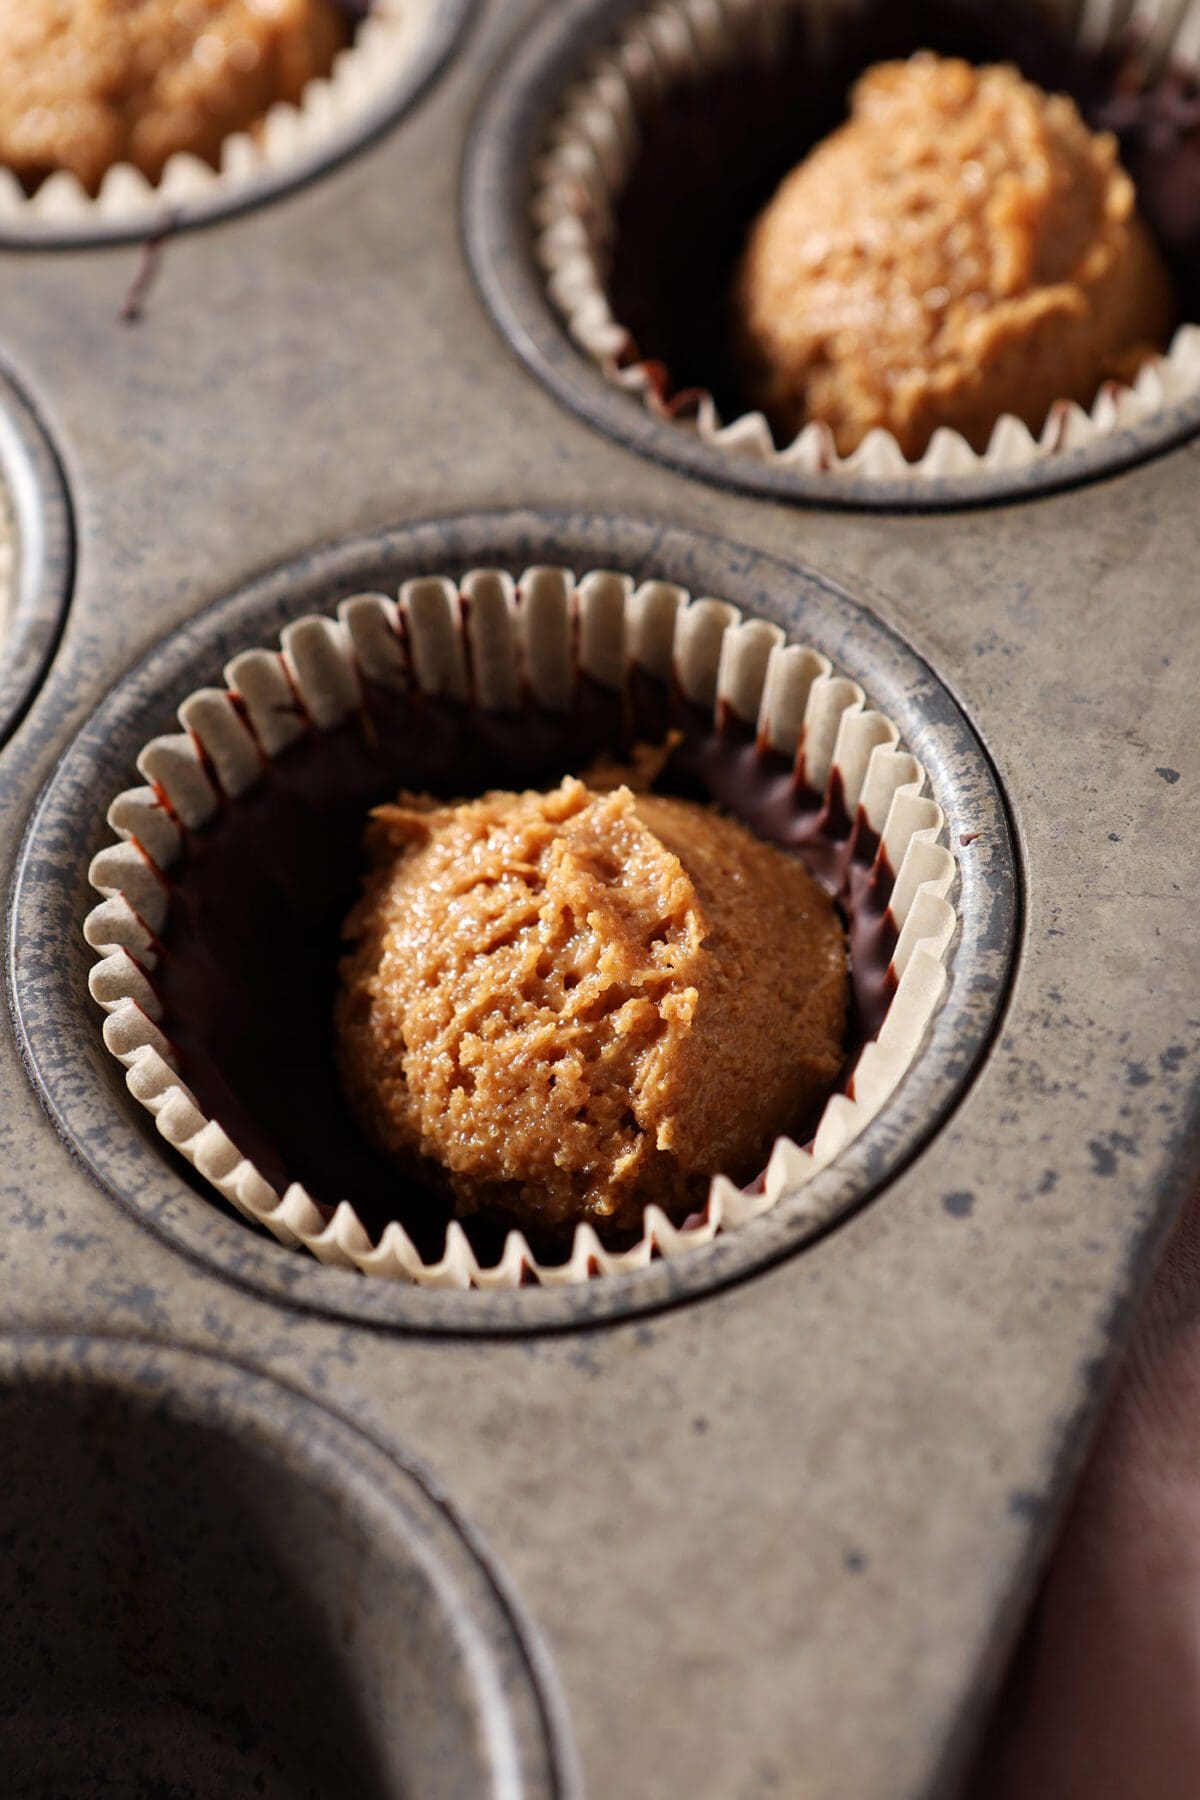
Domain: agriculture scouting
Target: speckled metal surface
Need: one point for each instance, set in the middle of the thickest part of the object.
(776, 1538)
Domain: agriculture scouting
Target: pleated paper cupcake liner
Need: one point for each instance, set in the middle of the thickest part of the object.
(592, 149)
(287, 138)
(502, 646)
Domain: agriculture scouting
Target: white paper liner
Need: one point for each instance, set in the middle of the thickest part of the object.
(592, 148)
(286, 137)
(521, 634)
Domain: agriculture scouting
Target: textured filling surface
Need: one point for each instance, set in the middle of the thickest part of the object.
(86, 84)
(963, 247)
(578, 1003)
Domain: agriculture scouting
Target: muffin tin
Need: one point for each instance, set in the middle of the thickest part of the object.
(141, 1487)
(763, 1518)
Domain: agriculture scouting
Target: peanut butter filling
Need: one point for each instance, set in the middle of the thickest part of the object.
(86, 84)
(963, 247)
(575, 1004)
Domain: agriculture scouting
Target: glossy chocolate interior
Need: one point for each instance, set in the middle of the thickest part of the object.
(248, 958)
(714, 152)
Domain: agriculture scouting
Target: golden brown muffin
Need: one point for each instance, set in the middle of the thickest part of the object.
(85, 84)
(962, 247)
(577, 1003)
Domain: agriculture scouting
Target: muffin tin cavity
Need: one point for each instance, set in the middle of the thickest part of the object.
(83, 1085)
(396, 51)
(617, 165)
(214, 1587)
(36, 555)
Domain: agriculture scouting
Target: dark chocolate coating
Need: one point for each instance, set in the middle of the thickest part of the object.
(249, 953)
(712, 157)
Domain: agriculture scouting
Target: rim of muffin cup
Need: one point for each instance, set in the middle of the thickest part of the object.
(395, 41)
(497, 643)
(36, 554)
(589, 150)
(8, 565)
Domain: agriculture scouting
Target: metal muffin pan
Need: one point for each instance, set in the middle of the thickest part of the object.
(141, 1489)
(777, 1535)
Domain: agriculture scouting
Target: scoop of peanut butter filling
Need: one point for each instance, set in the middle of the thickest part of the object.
(85, 84)
(963, 247)
(576, 1003)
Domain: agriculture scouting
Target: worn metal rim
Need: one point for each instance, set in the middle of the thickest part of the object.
(43, 554)
(80, 1084)
(496, 174)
